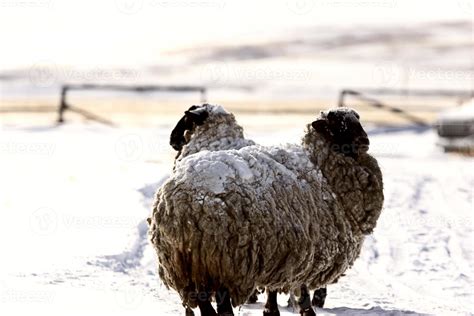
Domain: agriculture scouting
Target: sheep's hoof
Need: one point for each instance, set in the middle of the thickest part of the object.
(319, 297)
(253, 298)
(292, 305)
(271, 312)
(189, 312)
(317, 302)
(308, 312)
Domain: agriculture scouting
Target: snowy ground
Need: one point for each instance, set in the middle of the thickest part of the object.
(73, 201)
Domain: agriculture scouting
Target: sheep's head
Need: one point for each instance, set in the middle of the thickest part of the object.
(342, 129)
(195, 116)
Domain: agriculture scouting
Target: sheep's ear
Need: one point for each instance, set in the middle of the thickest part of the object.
(321, 126)
(356, 114)
(197, 115)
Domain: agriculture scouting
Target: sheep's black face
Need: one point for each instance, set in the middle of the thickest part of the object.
(342, 128)
(195, 115)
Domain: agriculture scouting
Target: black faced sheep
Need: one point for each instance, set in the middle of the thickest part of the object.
(228, 221)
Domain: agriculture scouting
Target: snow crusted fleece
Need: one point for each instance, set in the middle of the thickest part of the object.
(263, 216)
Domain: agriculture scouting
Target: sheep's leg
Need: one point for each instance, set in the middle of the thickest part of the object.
(204, 303)
(254, 297)
(319, 297)
(224, 307)
(292, 301)
(271, 306)
(305, 302)
(189, 312)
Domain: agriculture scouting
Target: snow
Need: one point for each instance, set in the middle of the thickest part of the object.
(209, 175)
(218, 109)
(213, 171)
(74, 200)
(460, 114)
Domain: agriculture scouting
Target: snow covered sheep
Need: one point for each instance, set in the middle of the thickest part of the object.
(229, 221)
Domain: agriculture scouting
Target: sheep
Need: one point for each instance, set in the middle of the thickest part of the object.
(341, 128)
(220, 132)
(232, 220)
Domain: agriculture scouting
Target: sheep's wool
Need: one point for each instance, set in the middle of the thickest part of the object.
(262, 216)
(254, 166)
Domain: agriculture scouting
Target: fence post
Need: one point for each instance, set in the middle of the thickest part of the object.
(63, 104)
(342, 95)
(203, 95)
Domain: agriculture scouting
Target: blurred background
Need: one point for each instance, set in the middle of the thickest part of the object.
(90, 91)
(252, 56)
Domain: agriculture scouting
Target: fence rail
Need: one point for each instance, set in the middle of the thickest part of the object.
(367, 96)
(64, 106)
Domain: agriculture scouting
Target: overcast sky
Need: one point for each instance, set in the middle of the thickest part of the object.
(135, 32)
